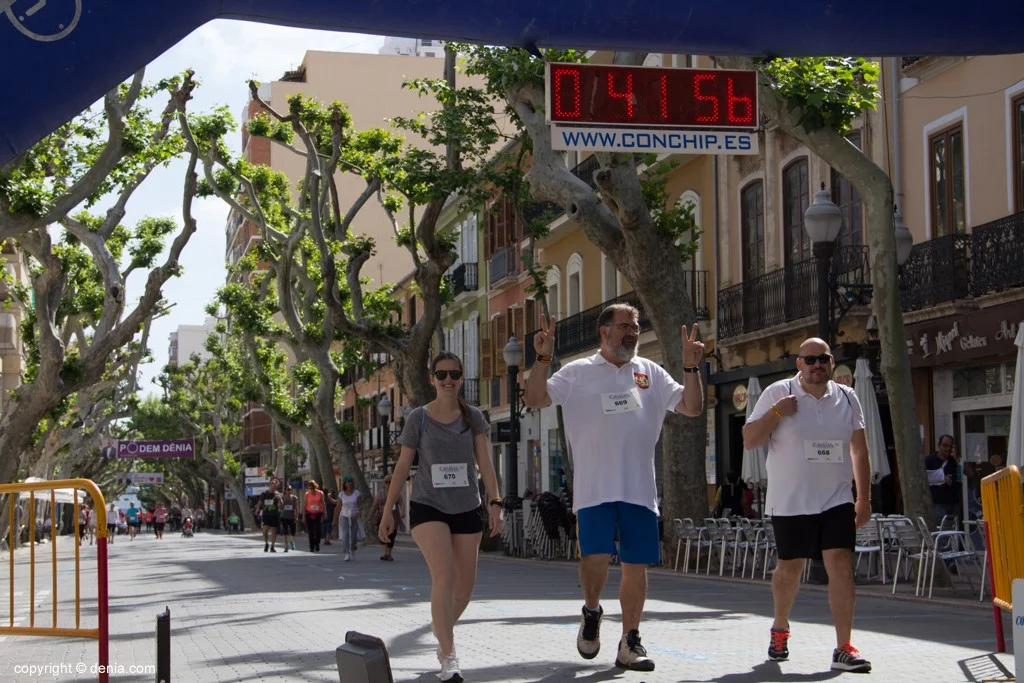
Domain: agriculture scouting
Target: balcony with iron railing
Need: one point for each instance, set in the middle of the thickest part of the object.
(579, 332)
(464, 278)
(957, 266)
(784, 295)
(936, 271)
(504, 263)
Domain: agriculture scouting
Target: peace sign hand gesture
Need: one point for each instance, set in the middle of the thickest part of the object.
(544, 339)
(693, 350)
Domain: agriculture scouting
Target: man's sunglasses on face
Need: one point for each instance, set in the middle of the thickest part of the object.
(823, 359)
(442, 375)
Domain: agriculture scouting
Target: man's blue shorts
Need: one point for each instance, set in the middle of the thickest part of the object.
(637, 527)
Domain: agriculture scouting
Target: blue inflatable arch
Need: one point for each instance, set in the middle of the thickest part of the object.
(59, 56)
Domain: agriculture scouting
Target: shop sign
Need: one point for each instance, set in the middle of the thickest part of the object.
(961, 338)
(843, 375)
(739, 397)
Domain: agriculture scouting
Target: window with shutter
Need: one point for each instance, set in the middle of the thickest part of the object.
(501, 335)
(472, 230)
(518, 316)
(531, 317)
(457, 340)
(473, 347)
(486, 352)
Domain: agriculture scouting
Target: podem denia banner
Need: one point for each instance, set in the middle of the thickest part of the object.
(173, 448)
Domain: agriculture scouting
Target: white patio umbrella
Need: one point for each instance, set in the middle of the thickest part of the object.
(865, 390)
(1015, 449)
(755, 460)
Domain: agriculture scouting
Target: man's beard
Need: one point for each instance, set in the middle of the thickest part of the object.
(625, 352)
(814, 377)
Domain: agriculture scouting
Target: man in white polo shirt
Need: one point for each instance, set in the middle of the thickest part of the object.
(816, 444)
(614, 404)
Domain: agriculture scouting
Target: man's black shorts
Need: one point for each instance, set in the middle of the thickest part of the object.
(471, 522)
(805, 536)
(271, 519)
(287, 527)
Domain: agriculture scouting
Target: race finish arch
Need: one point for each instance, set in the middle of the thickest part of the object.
(58, 57)
(606, 108)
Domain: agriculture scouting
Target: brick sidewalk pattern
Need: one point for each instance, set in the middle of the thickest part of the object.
(239, 614)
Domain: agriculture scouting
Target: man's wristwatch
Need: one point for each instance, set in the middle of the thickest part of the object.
(691, 368)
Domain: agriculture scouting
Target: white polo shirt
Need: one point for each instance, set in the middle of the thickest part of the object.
(613, 417)
(810, 466)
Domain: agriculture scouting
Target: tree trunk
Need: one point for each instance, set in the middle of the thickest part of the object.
(875, 189)
(248, 518)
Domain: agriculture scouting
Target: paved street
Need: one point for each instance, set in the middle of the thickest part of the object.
(239, 614)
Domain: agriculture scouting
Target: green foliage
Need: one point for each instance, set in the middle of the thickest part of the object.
(675, 222)
(829, 91)
(32, 186)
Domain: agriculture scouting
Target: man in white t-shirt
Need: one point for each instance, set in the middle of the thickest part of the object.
(614, 404)
(816, 445)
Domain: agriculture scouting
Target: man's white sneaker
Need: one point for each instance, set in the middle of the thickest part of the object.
(449, 667)
(588, 640)
(632, 654)
(348, 558)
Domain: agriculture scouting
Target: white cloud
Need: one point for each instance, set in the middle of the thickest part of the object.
(225, 55)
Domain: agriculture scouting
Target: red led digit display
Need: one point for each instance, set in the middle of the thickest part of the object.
(651, 96)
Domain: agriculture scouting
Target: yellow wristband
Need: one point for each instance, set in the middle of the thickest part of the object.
(775, 409)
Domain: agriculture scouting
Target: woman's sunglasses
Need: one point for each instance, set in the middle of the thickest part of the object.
(442, 375)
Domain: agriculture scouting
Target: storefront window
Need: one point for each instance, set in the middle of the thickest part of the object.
(985, 380)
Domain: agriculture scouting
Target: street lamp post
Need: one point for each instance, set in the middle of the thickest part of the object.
(513, 355)
(384, 410)
(823, 220)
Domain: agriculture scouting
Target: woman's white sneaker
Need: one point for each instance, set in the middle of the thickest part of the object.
(449, 667)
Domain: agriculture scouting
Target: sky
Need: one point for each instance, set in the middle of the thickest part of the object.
(225, 55)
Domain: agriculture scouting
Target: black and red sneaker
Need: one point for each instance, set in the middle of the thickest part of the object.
(778, 648)
(847, 658)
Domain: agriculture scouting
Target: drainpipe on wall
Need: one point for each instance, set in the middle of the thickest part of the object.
(897, 160)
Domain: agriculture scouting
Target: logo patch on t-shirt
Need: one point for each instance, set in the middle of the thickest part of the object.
(642, 380)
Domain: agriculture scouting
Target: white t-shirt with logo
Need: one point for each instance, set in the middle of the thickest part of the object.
(810, 464)
(349, 503)
(613, 417)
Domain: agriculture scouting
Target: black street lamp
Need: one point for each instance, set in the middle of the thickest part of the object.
(384, 410)
(823, 221)
(513, 355)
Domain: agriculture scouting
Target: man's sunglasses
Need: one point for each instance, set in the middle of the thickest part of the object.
(823, 359)
(442, 375)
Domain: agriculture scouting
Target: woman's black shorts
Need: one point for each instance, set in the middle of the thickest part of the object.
(287, 527)
(471, 522)
(805, 536)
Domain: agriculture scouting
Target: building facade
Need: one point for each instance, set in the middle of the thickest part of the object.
(961, 153)
(190, 340)
(412, 47)
(12, 362)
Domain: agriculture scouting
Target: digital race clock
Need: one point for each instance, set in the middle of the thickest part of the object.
(606, 95)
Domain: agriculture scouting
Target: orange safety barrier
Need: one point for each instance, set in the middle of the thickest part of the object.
(1003, 505)
(101, 632)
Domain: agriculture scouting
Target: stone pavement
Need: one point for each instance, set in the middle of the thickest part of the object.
(239, 614)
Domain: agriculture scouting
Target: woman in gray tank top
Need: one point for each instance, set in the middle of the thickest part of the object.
(445, 512)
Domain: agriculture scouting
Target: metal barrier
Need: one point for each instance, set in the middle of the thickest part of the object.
(101, 632)
(1003, 506)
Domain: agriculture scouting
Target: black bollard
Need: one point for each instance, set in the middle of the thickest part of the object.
(363, 659)
(163, 646)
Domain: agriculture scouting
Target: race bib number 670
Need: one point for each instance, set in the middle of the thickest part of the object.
(450, 475)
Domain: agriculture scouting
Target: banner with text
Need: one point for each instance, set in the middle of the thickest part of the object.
(653, 140)
(172, 448)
